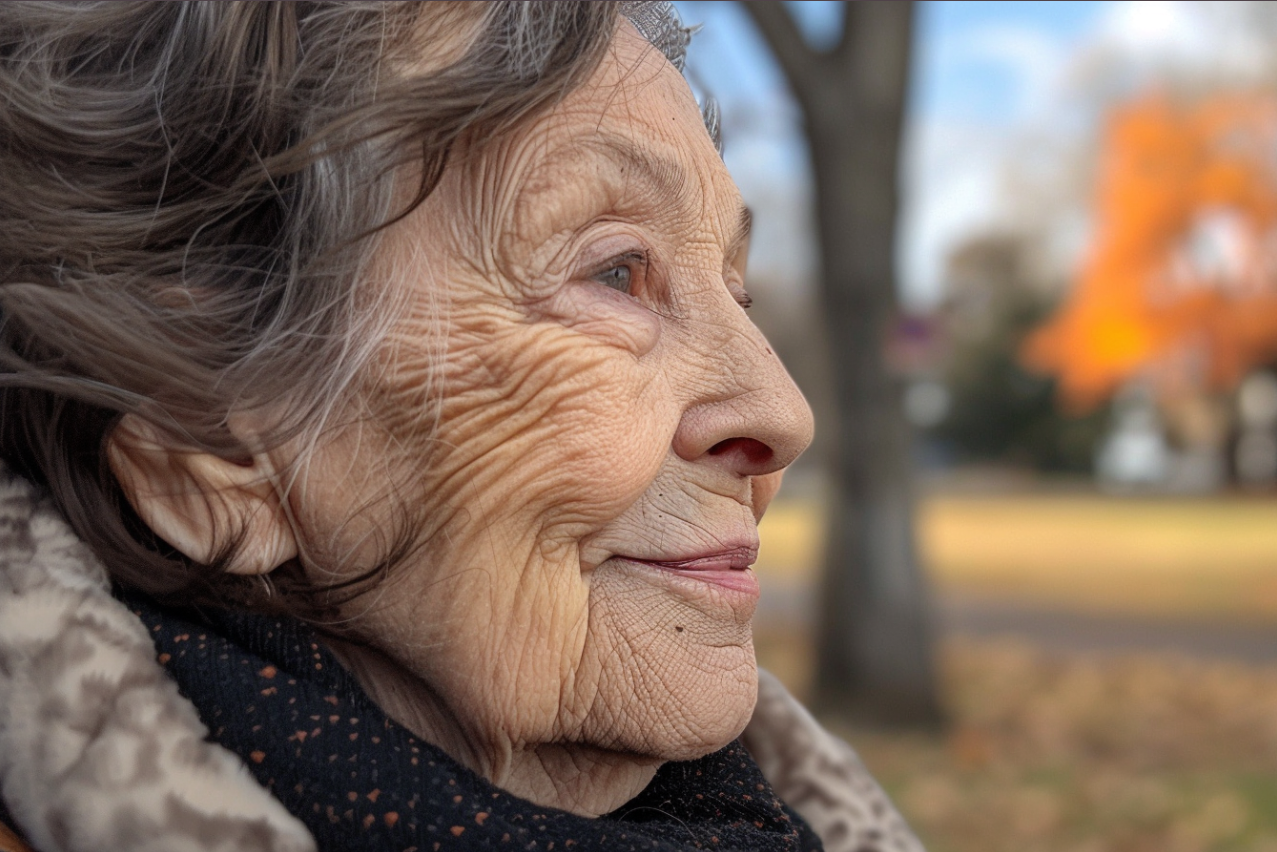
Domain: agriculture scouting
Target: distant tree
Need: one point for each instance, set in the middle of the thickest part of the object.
(999, 411)
(1179, 283)
(874, 656)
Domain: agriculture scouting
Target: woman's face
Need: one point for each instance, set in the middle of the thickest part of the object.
(607, 426)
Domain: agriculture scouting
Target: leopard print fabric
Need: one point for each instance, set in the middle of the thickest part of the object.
(98, 751)
(821, 777)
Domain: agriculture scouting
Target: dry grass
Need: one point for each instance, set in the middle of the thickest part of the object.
(1058, 754)
(1050, 752)
(1171, 557)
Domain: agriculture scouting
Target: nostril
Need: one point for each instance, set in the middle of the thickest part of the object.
(752, 452)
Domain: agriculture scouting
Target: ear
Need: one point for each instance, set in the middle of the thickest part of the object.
(198, 501)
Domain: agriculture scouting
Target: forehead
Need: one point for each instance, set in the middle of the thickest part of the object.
(636, 92)
(631, 134)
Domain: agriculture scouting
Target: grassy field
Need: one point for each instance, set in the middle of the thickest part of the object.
(1190, 558)
(1054, 752)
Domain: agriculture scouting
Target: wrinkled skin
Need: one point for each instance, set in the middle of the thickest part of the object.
(573, 386)
(579, 423)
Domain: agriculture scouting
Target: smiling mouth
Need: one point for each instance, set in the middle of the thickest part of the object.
(726, 568)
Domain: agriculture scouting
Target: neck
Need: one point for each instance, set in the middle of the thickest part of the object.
(580, 779)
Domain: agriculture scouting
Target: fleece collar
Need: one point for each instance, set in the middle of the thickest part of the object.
(98, 750)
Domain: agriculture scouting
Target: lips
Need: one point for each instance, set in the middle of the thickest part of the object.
(734, 559)
(728, 568)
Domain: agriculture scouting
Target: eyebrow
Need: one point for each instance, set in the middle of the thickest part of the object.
(669, 176)
(665, 173)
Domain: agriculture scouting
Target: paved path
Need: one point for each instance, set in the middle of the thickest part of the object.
(962, 615)
(788, 607)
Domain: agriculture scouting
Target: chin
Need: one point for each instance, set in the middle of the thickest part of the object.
(714, 715)
(678, 674)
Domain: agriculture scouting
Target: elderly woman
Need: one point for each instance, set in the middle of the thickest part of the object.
(398, 438)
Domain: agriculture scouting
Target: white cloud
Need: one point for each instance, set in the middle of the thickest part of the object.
(1183, 41)
(951, 176)
(1156, 29)
(1023, 82)
(954, 159)
(1029, 58)
(954, 173)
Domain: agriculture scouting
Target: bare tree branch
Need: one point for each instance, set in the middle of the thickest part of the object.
(801, 64)
(851, 30)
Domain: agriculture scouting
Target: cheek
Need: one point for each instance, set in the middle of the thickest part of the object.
(678, 671)
(348, 515)
(604, 316)
(537, 420)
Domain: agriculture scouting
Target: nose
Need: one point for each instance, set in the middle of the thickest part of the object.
(749, 418)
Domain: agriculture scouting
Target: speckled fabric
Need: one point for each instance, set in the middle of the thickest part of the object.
(98, 750)
(269, 691)
(822, 777)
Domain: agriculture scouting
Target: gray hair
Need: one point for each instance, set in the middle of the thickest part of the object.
(190, 197)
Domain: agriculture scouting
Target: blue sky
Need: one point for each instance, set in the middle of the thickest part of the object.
(977, 84)
(981, 71)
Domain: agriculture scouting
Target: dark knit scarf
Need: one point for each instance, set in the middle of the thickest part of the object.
(269, 691)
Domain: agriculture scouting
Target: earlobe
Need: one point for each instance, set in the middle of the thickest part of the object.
(202, 503)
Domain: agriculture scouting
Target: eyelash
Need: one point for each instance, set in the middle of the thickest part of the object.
(633, 260)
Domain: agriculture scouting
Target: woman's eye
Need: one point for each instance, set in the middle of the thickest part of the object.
(617, 277)
(623, 273)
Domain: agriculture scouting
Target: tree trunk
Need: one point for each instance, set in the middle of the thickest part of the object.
(874, 653)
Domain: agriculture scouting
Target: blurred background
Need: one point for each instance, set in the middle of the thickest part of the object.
(1022, 258)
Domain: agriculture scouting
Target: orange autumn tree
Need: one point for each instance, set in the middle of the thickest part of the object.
(1180, 285)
